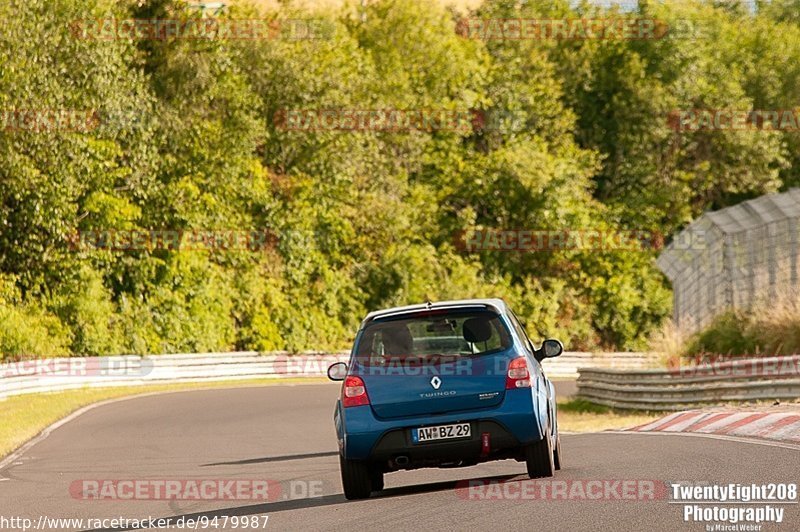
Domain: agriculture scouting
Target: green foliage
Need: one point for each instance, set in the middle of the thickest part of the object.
(84, 305)
(25, 329)
(771, 328)
(624, 91)
(185, 307)
(583, 406)
(188, 139)
(725, 335)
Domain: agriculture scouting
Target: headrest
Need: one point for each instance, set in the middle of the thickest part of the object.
(477, 330)
(397, 340)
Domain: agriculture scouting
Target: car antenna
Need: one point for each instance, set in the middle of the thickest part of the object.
(428, 305)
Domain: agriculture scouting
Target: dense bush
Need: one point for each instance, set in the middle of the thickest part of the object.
(26, 328)
(768, 329)
(187, 139)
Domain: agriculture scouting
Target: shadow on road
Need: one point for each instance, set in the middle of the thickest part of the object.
(434, 486)
(315, 502)
(275, 459)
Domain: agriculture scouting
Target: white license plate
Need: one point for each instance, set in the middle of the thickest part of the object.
(441, 432)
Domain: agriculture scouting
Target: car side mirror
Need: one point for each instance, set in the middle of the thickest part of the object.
(550, 348)
(337, 371)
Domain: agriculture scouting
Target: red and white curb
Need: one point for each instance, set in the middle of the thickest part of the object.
(779, 426)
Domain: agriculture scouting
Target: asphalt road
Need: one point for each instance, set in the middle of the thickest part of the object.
(285, 433)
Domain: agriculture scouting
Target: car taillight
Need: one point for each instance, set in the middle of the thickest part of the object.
(518, 376)
(354, 392)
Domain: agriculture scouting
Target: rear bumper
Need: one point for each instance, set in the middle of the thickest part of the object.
(510, 425)
(397, 443)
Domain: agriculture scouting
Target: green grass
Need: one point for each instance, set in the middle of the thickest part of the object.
(769, 328)
(579, 415)
(24, 416)
(582, 406)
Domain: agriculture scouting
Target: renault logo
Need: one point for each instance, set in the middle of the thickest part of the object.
(436, 382)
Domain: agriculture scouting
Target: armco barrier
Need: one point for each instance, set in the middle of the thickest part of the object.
(52, 375)
(568, 364)
(679, 388)
(70, 373)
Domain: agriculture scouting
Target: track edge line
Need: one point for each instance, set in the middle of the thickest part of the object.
(737, 439)
(45, 432)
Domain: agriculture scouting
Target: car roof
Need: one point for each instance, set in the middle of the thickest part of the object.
(496, 304)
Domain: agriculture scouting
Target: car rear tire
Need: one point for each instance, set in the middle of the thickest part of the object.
(356, 478)
(539, 458)
(377, 480)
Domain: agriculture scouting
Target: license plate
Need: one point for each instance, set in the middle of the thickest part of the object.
(441, 432)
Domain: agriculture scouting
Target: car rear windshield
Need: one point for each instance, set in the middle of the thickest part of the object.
(431, 334)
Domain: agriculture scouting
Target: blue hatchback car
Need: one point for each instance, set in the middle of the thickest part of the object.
(448, 384)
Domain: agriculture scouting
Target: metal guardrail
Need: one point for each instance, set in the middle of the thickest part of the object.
(569, 363)
(749, 380)
(54, 375)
